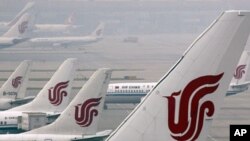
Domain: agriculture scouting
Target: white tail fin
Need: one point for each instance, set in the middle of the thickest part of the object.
(240, 73)
(182, 104)
(82, 114)
(16, 82)
(70, 20)
(98, 32)
(54, 96)
(21, 28)
(28, 7)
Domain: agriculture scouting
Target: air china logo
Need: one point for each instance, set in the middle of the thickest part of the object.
(22, 27)
(191, 111)
(56, 93)
(84, 113)
(240, 70)
(16, 81)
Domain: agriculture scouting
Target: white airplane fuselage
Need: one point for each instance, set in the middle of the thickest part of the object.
(133, 92)
(9, 41)
(127, 92)
(53, 27)
(9, 119)
(64, 40)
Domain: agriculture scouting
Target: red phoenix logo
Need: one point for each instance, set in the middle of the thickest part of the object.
(240, 70)
(84, 113)
(22, 27)
(16, 81)
(56, 93)
(191, 111)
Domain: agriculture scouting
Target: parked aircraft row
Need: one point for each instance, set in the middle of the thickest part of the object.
(30, 8)
(134, 92)
(13, 90)
(21, 30)
(181, 106)
(81, 115)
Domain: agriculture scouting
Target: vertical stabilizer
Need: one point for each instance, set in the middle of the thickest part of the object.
(83, 113)
(184, 102)
(54, 96)
(16, 82)
(241, 70)
(21, 28)
(98, 32)
(28, 7)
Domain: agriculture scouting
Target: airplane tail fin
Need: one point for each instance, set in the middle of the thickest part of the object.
(15, 86)
(54, 96)
(98, 32)
(240, 73)
(21, 28)
(70, 20)
(82, 114)
(183, 103)
(28, 7)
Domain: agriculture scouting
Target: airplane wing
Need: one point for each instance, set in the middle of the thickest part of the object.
(22, 101)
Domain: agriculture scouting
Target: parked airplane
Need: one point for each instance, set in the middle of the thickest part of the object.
(17, 33)
(52, 99)
(134, 92)
(30, 8)
(184, 102)
(79, 120)
(67, 26)
(95, 36)
(6, 25)
(239, 83)
(127, 92)
(13, 91)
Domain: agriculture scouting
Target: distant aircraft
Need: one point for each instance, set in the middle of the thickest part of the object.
(184, 102)
(79, 120)
(28, 7)
(127, 92)
(52, 99)
(134, 92)
(95, 36)
(17, 33)
(13, 91)
(67, 26)
(239, 83)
